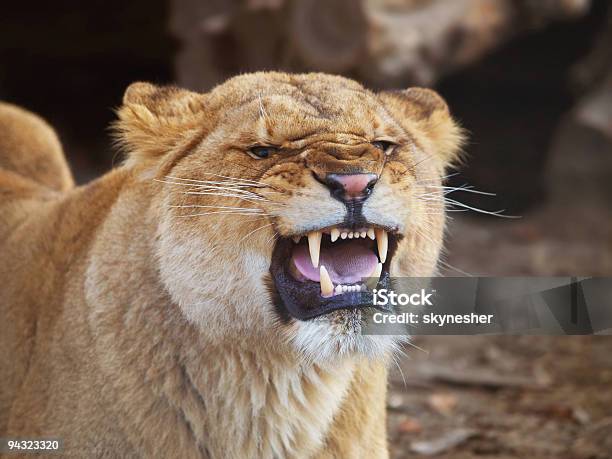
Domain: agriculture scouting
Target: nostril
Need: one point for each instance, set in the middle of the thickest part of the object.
(350, 186)
(370, 186)
(334, 185)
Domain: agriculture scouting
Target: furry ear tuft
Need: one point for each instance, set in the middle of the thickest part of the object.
(427, 111)
(155, 120)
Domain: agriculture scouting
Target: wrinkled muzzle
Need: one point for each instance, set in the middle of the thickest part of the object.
(326, 269)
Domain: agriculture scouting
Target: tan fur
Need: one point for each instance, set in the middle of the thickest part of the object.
(132, 328)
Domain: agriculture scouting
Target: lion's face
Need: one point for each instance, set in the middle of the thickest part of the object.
(279, 195)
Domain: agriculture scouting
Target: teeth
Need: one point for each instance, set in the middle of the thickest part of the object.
(314, 246)
(314, 241)
(296, 239)
(349, 288)
(383, 244)
(327, 287)
(335, 234)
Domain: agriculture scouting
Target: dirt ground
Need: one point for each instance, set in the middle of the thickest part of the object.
(503, 397)
(513, 397)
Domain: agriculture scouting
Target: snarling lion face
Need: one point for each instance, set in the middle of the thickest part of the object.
(278, 195)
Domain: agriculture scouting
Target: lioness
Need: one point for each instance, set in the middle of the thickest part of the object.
(205, 298)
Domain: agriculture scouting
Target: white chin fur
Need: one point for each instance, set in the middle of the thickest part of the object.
(337, 335)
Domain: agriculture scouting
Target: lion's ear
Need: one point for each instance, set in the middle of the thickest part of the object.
(155, 120)
(426, 111)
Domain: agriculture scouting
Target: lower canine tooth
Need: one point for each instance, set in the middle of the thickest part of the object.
(335, 234)
(314, 246)
(327, 288)
(383, 244)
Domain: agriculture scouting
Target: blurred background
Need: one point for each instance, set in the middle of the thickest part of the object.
(531, 80)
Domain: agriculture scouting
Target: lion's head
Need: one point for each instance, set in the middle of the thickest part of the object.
(278, 194)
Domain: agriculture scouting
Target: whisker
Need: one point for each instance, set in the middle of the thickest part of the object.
(256, 229)
(399, 368)
(454, 202)
(497, 213)
(273, 238)
(427, 158)
(225, 194)
(218, 185)
(216, 207)
(422, 182)
(425, 236)
(411, 344)
(241, 181)
(232, 188)
(240, 191)
(454, 268)
(237, 192)
(262, 110)
(465, 188)
(221, 212)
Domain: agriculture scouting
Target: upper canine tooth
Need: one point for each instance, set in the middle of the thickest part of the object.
(335, 234)
(383, 244)
(371, 233)
(327, 287)
(343, 235)
(314, 246)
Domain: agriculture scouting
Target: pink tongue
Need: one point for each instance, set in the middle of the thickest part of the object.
(345, 263)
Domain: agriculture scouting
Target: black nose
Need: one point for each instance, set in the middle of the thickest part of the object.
(350, 187)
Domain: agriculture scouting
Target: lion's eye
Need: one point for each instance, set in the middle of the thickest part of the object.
(383, 145)
(262, 152)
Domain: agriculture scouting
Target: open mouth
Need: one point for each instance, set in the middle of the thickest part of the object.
(332, 268)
